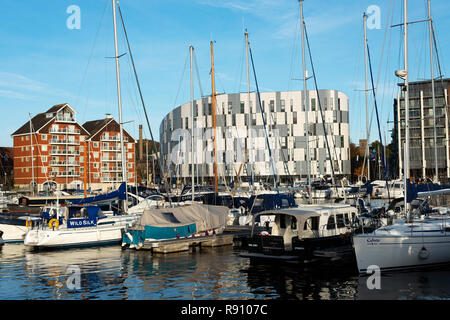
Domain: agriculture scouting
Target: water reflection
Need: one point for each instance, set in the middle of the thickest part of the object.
(209, 274)
(431, 283)
(110, 273)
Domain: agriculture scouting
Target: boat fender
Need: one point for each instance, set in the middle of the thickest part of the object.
(423, 253)
(54, 223)
(129, 236)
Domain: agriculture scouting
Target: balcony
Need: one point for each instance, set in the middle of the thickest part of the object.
(64, 174)
(66, 119)
(114, 159)
(64, 152)
(64, 163)
(114, 178)
(110, 150)
(65, 141)
(110, 180)
(64, 131)
(112, 169)
(113, 138)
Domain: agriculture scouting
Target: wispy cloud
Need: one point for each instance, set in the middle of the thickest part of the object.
(284, 15)
(255, 7)
(17, 86)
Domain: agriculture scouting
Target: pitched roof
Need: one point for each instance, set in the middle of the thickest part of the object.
(41, 119)
(94, 127)
(37, 122)
(57, 107)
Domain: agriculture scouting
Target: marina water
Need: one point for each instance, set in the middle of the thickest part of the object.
(109, 273)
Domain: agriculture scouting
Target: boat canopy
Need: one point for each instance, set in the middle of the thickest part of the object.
(300, 214)
(204, 216)
(119, 194)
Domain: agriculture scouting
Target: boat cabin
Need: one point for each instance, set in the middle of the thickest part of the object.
(75, 215)
(269, 201)
(299, 231)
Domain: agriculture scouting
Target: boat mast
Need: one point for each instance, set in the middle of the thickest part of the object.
(85, 170)
(32, 156)
(191, 51)
(306, 104)
(119, 100)
(213, 101)
(249, 146)
(367, 96)
(430, 27)
(146, 163)
(406, 81)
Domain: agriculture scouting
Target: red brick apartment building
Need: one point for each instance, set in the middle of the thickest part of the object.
(54, 150)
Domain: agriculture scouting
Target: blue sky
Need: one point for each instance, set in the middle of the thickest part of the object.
(44, 63)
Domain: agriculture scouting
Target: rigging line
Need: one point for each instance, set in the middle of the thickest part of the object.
(90, 56)
(378, 120)
(181, 81)
(286, 167)
(142, 100)
(390, 10)
(264, 121)
(320, 106)
(198, 75)
(240, 68)
(379, 73)
(378, 77)
(438, 62)
(293, 52)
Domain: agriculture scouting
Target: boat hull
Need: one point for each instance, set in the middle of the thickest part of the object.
(13, 233)
(110, 232)
(73, 238)
(400, 252)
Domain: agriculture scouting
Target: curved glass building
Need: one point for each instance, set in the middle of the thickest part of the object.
(242, 141)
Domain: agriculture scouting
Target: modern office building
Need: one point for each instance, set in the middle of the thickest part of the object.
(422, 122)
(241, 147)
(52, 150)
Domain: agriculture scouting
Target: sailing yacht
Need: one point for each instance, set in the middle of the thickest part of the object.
(416, 241)
(77, 225)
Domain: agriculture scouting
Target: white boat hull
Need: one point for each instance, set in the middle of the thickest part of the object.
(13, 233)
(400, 252)
(70, 237)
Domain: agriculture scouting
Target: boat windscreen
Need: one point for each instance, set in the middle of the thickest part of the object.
(170, 217)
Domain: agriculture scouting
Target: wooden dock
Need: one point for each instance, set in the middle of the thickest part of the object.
(185, 244)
